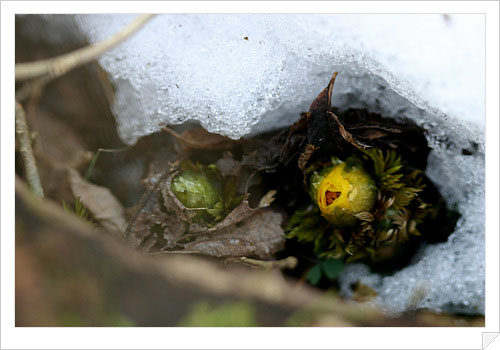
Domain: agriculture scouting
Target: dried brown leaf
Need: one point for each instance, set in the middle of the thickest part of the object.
(200, 139)
(242, 212)
(260, 236)
(103, 205)
(324, 100)
(304, 158)
(267, 199)
(346, 135)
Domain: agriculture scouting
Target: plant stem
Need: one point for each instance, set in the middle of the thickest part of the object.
(90, 169)
(27, 152)
(286, 263)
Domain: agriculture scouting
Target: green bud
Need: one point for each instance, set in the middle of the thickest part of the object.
(195, 190)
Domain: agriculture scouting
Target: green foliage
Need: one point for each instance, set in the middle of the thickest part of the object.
(386, 168)
(393, 180)
(79, 209)
(314, 274)
(329, 268)
(411, 184)
(307, 225)
(229, 314)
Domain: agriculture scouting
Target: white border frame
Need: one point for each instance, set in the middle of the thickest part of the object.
(292, 338)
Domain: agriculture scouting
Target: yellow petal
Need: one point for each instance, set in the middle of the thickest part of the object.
(345, 191)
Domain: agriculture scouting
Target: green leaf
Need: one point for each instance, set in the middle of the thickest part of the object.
(332, 268)
(79, 210)
(314, 275)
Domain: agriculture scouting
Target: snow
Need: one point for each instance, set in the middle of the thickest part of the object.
(239, 75)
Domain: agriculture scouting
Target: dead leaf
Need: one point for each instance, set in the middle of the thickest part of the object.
(242, 212)
(150, 218)
(365, 216)
(267, 199)
(200, 139)
(260, 236)
(103, 205)
(346, 135)
(323, 101)
(304, 158)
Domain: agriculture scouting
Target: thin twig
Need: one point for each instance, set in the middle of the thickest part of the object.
(286, 263)
(32, 87)
(183, 140)
(27, 152)
(57, 66)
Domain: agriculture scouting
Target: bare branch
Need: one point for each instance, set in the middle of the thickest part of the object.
(57, 66)
(27, 152)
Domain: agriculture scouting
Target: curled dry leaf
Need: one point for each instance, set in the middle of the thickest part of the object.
(242, 212)
(304, 158)
(103, 205)
(346, 134)
(260, 236)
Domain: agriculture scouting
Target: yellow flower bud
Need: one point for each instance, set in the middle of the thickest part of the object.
(345, 190)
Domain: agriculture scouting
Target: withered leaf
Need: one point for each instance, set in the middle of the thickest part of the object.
(365, 216)
(201, 139)
(103, 205)
(267, 199)
(323, 101)
(260, 236)
(242, 212)
(346, 135)
(304, 158)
